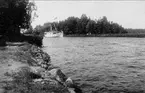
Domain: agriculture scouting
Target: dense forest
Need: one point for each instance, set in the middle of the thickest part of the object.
(83, 26)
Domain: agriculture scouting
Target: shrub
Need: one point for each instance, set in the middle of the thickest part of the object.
(2, 41)
(33, 39)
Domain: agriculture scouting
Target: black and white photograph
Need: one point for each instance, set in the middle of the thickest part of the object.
(72, 46)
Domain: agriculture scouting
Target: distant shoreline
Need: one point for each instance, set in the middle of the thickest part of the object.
(108, 35)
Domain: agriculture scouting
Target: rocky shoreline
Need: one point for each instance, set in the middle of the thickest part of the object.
(35, 73)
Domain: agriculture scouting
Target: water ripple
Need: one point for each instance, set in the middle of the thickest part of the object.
(101, 63)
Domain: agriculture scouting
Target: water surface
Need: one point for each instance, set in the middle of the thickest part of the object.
(101, 64)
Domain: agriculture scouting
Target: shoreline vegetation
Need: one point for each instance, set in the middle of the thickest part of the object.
(86, 27)
(107, 35)
(32, 39)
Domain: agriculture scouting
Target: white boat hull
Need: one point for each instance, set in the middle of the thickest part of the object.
(50, 34)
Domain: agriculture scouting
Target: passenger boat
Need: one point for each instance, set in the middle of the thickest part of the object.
(53, 33)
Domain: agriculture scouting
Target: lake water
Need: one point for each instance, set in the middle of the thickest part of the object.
(101, 64)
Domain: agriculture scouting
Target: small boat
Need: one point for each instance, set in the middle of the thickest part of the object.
(53, 33)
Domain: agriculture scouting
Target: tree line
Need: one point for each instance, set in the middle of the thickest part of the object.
(83, 25)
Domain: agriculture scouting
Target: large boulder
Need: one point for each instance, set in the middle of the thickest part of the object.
(60, 78)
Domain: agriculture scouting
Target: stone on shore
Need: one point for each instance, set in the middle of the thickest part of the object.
(30, 71)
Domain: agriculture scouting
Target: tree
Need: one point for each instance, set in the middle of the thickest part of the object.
(71, 24)
(90, 27)
(103, 25)
(14, 15)
(84, 21)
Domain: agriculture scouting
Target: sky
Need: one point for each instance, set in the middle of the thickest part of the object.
(129, 14)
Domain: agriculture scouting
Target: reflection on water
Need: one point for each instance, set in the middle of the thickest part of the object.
(97, 62)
